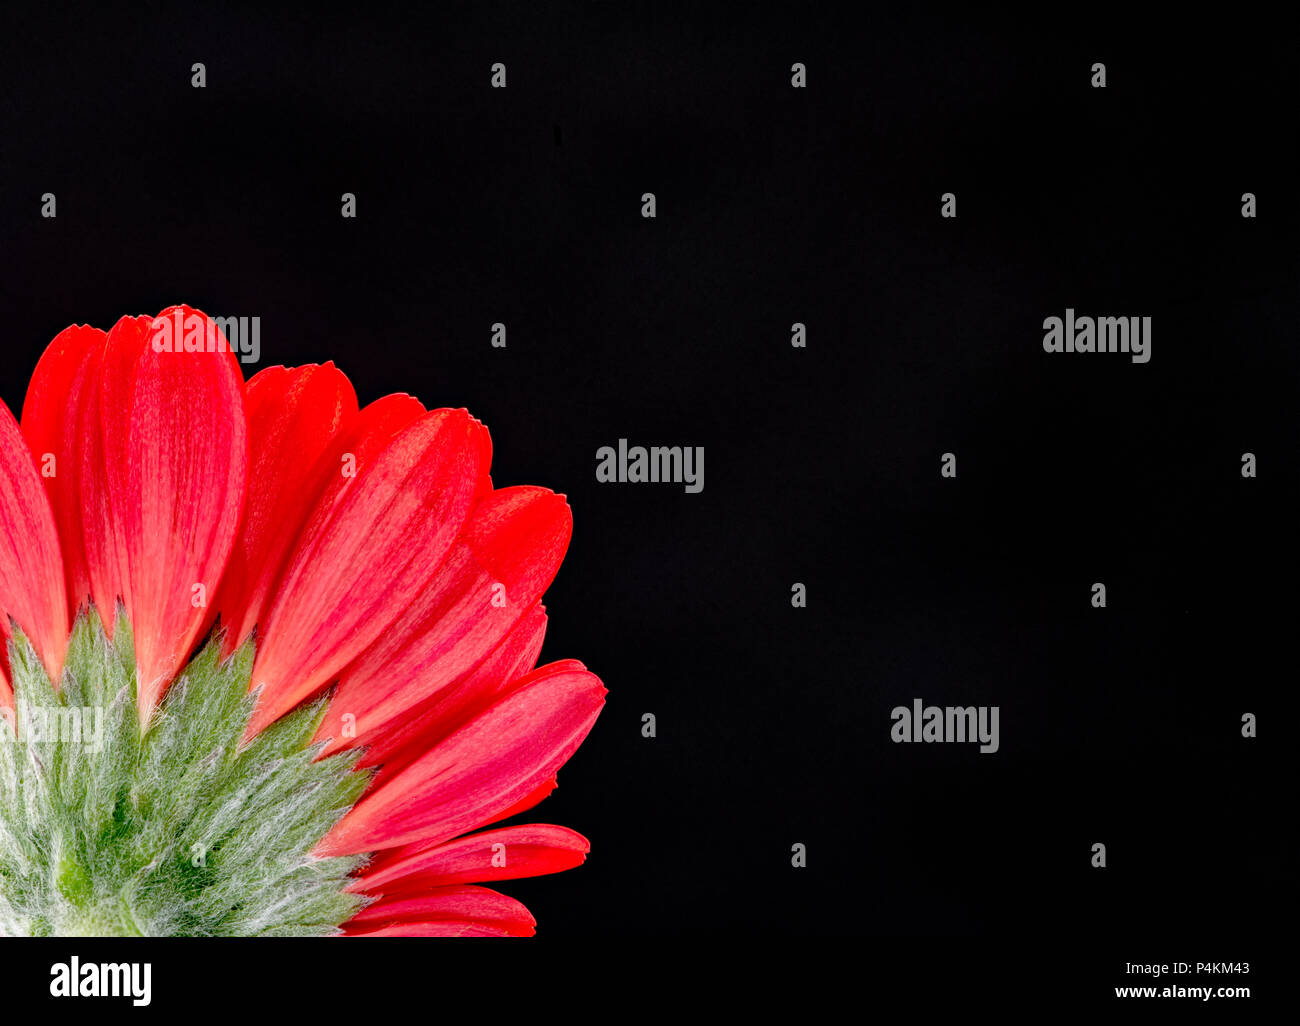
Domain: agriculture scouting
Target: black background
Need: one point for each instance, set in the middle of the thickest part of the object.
(777, 205)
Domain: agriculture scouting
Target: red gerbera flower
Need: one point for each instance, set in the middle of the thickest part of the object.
(366, 695)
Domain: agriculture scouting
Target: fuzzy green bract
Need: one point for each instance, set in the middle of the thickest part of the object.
(105, 831)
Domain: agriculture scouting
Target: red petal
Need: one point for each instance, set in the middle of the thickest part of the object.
(531, 850)
(31, 566)
(50, 423)
(163, 464)
(101, 546)
(533, 798)
(401, 742)
(488, 765)
(447, 911)
(370, 547)
(440, 928)
(505, 558)
(293, 416)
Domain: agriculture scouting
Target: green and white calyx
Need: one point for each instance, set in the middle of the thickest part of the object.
(105, 831)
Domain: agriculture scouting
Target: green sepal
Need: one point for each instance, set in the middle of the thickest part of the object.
(179, 830)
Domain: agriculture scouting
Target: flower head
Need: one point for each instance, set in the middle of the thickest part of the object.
(307, 632)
